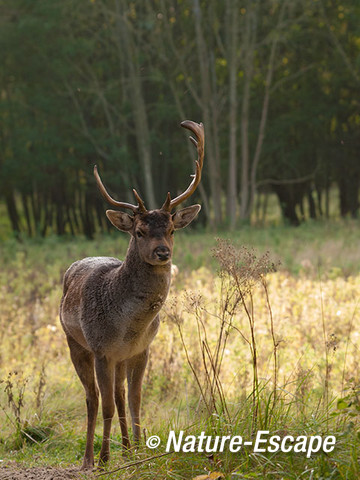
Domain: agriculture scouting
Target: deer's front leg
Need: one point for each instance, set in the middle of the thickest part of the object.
(105, 372)
(120, 373)
(135, 373)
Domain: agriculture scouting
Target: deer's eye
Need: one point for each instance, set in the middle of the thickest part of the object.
(172, 232)
(139, 234)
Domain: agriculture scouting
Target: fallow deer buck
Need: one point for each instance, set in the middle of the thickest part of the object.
(110, 309)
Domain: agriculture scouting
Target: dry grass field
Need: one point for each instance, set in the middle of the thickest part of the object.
(242, 347)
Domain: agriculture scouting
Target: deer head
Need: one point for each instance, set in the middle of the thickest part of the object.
(153, 230)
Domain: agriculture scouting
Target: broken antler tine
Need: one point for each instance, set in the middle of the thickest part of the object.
(140, 201)
(167, 203)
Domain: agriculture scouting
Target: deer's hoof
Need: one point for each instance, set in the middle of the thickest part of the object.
(87, 464)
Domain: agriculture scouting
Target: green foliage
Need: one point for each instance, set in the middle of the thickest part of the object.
(71, 91)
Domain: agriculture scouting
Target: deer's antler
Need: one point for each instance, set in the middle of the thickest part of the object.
(199, 142)
(169, 204)
(135, 208)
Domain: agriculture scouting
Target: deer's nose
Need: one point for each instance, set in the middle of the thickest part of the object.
(162, 252)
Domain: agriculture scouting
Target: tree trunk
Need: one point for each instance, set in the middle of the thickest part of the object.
(312, 206)
(264, 112)
(249, 47)
(35, 211)
(48, 215)
(27, 214)
(287, 203)
(127, 48)
(232, 13)
(206, 93)
(264, 208)
(349, 195)
(86, 216)
(12, 211)
(319, 200)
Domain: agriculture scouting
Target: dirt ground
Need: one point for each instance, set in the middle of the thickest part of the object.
(39, 473)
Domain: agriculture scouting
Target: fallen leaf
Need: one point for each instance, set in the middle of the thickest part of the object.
(211, 476)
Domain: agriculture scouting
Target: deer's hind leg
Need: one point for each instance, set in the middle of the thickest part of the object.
(83, 361)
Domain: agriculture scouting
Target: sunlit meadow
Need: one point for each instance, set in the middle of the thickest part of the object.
(302, 322)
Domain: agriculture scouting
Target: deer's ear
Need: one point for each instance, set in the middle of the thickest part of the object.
(183, 217)
(120, 220)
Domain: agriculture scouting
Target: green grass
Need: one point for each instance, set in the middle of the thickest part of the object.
(65, 446)
(314, 299)
(309, 247)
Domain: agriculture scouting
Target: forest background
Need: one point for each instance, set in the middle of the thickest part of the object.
(107, 82)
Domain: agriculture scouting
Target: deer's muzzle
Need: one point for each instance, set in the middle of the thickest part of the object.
(162, 253)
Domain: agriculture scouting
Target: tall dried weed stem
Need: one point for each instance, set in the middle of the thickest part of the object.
(241, 271)
(18, 402)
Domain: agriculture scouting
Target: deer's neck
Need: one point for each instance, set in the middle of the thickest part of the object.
(140, 279)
